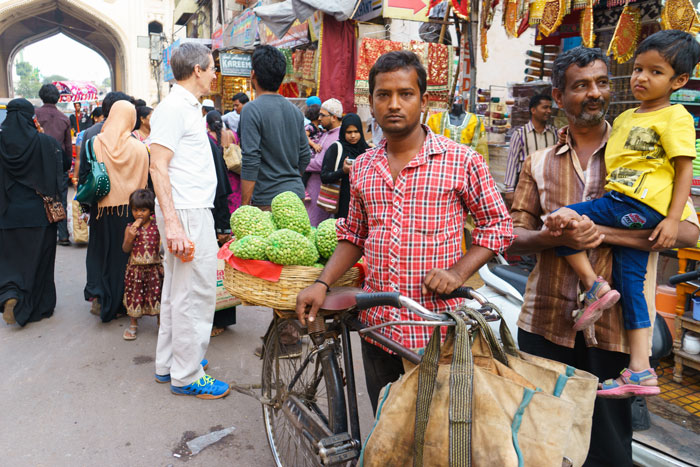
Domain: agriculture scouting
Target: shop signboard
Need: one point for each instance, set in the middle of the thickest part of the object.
(368, 9)
(414, 10)
(167, 53)
(235, 64)
(242, 30)
(217, 39)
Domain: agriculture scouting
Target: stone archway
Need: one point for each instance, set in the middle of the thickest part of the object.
(27, 22)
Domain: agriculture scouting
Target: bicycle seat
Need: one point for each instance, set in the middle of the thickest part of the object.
(341, 298)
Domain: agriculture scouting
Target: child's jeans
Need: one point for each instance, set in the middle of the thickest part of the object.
(629, 265)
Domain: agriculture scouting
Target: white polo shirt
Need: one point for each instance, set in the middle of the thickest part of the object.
(177, 125)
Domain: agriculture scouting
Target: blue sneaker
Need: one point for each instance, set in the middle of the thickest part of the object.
(166, 378)
(205, 387)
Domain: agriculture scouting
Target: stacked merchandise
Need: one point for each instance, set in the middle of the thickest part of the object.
(695, 189)
(539, 64)
(522, 92)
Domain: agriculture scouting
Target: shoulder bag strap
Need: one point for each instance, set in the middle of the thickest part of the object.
(461, 392)
(427, 376)
(340, 154)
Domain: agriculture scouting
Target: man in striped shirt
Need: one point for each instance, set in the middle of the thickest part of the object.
(535, 135)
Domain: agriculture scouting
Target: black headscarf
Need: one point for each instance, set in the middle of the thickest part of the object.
(26, 156)
(351, 151)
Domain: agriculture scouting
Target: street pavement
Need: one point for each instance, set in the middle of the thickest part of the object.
(73, 392)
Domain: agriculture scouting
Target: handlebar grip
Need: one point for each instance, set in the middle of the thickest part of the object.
(685, 277)
(459, 292)
(369, 300)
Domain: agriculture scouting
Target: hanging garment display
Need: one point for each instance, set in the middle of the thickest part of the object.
(461, 8)
(471, 132)
(681, 15)
(552, 16)
(587, 35)
(626, 35)
(488, 8)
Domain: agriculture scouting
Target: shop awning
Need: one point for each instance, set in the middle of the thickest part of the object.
(279, 17)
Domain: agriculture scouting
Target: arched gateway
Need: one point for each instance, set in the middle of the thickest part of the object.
(106, 26)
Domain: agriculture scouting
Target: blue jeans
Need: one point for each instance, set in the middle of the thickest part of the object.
(629, 265)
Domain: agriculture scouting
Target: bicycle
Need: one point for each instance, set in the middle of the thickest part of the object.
(310, 418)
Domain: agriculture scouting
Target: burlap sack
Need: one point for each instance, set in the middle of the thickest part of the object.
(510, 422)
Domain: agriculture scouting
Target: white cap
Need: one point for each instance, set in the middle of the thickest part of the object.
(207, 103)
(333, 107)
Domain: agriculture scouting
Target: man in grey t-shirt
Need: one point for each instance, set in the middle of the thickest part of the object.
(273, 141)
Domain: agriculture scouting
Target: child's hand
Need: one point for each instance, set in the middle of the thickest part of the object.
(561, 219)
(665, 234)
(132, 230)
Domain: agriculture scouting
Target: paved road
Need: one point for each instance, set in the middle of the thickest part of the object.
(73, 392)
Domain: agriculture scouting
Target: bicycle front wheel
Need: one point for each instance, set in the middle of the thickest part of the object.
(318, 385)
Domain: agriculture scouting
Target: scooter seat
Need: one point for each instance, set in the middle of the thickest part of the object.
(515, 276)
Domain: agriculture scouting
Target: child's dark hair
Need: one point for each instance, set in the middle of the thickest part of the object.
(312, 112)
(142, 199)
(678, 48)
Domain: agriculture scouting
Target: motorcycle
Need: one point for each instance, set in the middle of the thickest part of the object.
(504, 286)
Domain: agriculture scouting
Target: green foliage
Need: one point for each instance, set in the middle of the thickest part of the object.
(287, 247)
(249, 220)
(250, 247)
(326, 238)
(52, 78)
(289, 212)
(29, 82)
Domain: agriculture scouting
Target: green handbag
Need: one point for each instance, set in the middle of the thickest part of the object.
(97, 184)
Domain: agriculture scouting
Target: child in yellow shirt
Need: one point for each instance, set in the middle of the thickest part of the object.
(648, 158)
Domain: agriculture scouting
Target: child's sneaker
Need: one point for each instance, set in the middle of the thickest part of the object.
(307, 196)
(600, 297)
(205, 387)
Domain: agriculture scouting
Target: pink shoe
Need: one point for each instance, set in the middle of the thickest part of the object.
(595, 301)
(632, 385)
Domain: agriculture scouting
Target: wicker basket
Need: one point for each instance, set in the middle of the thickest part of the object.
(281, 295)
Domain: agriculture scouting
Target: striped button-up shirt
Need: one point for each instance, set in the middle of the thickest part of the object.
(413, 224)
(525, 141)
(552, 178)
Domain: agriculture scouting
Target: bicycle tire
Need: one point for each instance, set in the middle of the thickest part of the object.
(319, 386)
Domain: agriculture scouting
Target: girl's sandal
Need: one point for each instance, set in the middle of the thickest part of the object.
(629, 384)
(130, 332)
(599, 298)
(216, 331)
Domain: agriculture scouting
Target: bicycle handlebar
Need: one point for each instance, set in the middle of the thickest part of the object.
(394, 299)
(685, 277)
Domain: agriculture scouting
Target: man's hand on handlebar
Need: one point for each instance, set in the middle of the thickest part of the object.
(310, 298)
(441, 281)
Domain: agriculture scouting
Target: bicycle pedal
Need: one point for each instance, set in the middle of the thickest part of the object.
(338, 449)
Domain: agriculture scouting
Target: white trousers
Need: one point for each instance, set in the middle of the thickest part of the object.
(188, 299)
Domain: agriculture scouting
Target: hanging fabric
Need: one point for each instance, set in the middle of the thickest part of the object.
(370, 50)
(488, 8)
(681, 15)
(587, 35)
(626, 35)
(552, 16)
(461, 8)
(536, 11)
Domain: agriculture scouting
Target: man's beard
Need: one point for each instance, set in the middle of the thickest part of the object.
(586, 119)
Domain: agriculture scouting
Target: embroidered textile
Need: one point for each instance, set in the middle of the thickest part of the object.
(488, 8)
(308, 74)
(461, 8)
(587, 35)
(626, 36)
(552, 16)
(370, 50)
(536, 11)
(681, 15)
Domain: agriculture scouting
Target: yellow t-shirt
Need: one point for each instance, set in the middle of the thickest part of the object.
(438, 122)
(640, 151)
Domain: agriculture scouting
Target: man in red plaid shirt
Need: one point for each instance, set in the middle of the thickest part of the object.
(410, 197)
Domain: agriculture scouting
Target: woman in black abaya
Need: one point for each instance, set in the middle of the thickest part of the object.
(30, 163)
(352, 142)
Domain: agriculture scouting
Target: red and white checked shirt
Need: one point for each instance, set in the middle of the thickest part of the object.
(414, 224)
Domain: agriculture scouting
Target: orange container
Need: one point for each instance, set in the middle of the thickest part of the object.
(666, 306)
(666, 299)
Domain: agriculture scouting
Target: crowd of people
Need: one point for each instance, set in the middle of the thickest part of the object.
(178, 171)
